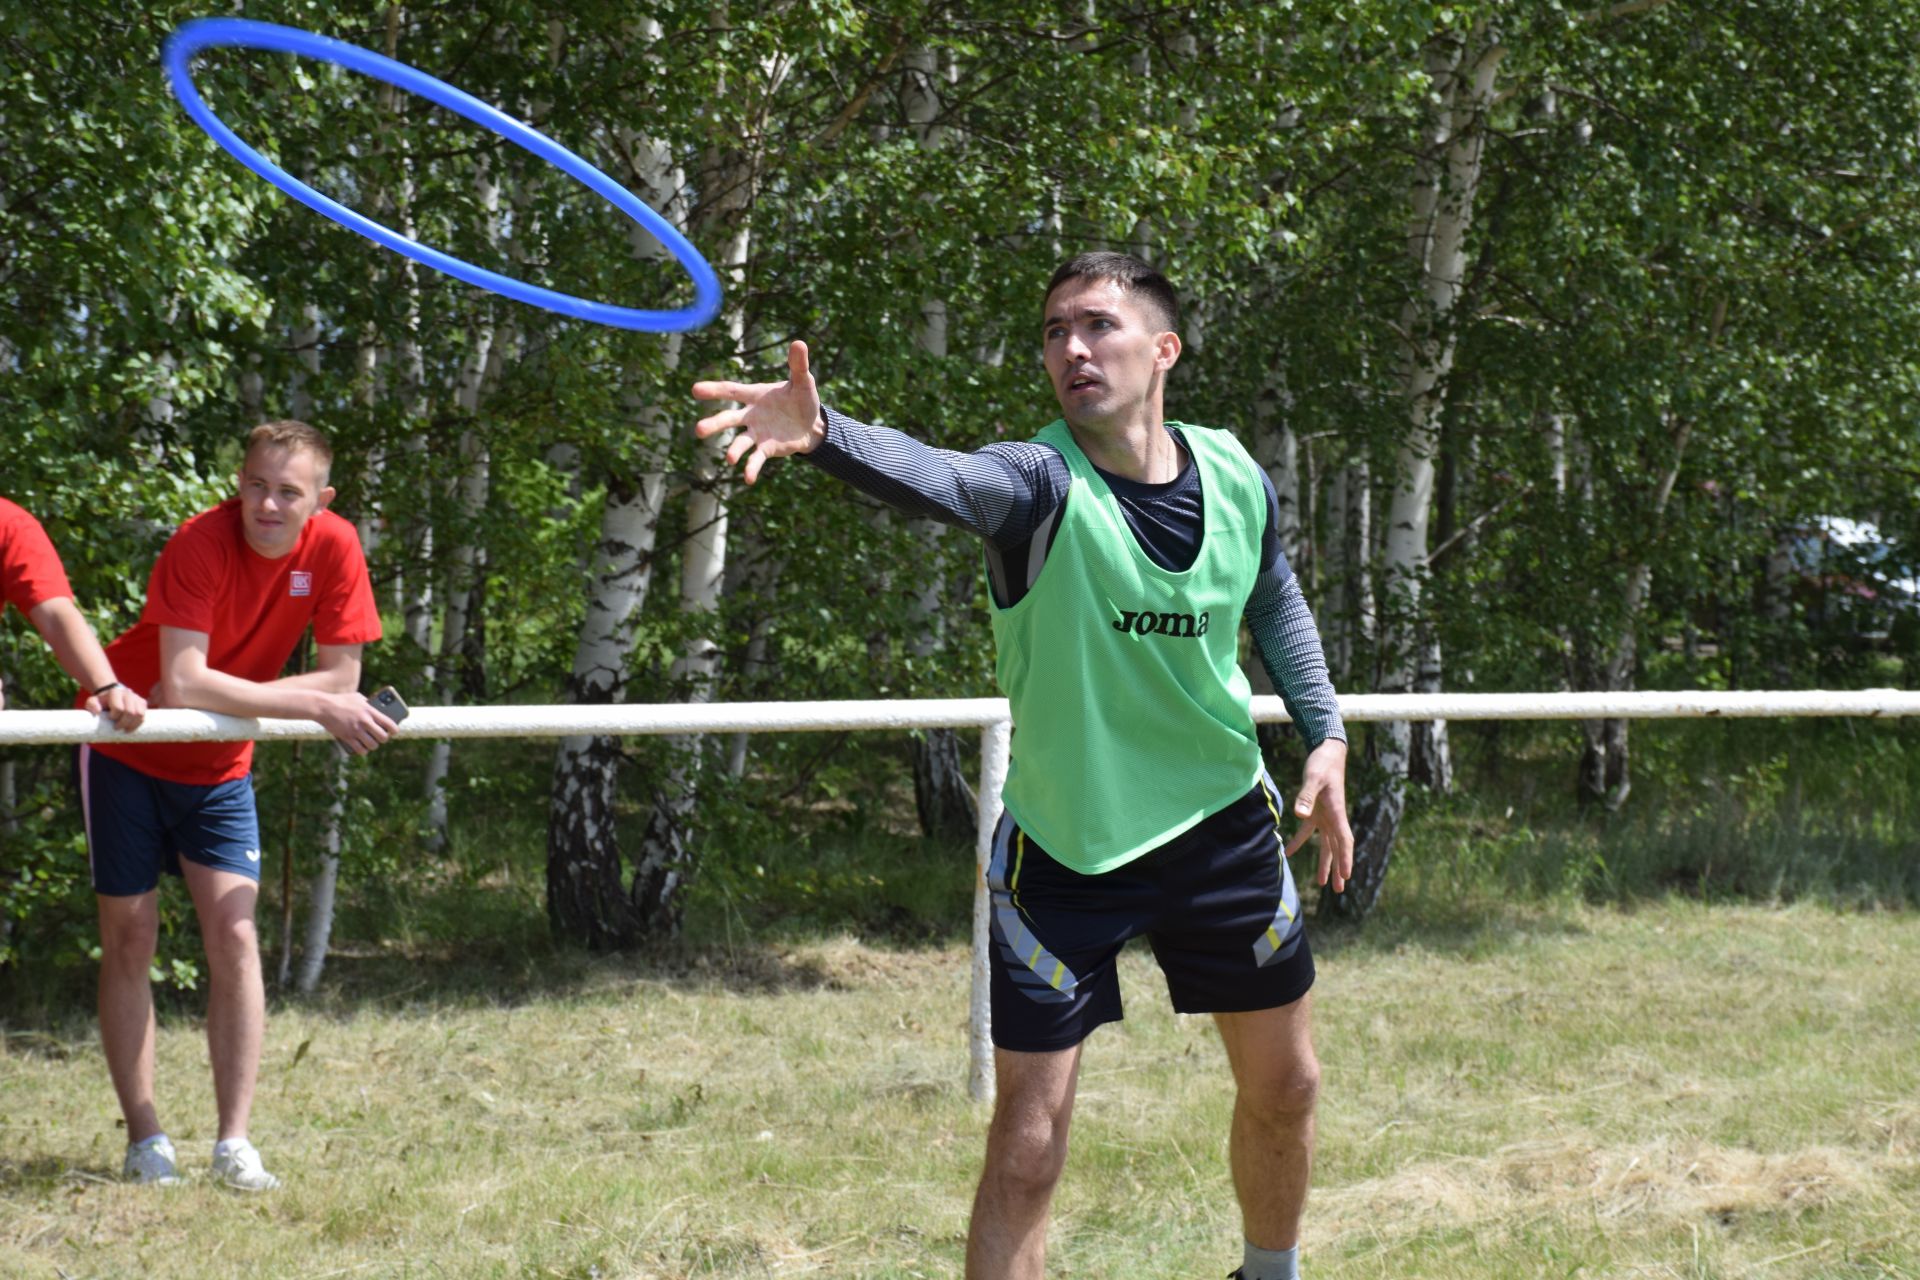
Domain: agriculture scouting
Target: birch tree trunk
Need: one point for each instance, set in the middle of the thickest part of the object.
(664, 860)
(326, 872)
(942, 795)
(1606, 776)
(1446, 180)
(729, 183)
(588, 901)
(469, 500)
(1350, 618)
(326, 877)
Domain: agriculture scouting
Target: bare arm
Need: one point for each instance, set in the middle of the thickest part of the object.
(328, 693)
(64, 628)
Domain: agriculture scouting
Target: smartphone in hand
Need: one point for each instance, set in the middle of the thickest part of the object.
(390, 704)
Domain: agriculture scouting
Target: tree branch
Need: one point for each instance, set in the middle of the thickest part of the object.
(1624, 9)
(897, 29)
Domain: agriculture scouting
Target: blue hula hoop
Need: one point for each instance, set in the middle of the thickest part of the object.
(208, 33)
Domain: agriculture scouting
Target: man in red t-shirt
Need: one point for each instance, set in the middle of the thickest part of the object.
(230, 597)
(33, 581)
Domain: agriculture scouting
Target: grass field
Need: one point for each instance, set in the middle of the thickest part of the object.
(1665, 1090)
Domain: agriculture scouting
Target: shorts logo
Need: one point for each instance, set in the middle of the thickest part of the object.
(302, 584)
(1180, 625)
(253, 855)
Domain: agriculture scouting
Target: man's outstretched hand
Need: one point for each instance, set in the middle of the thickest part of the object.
(775, 418)
(1322, 807)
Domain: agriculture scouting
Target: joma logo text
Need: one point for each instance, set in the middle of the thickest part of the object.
(1181, 626)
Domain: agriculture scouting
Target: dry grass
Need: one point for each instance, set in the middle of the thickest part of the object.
(1679, 1091)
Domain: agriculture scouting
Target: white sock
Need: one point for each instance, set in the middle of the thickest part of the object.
(154, 1141)
(1271, 1264)
(227, 1146)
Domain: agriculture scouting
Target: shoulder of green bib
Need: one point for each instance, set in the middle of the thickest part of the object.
(1224, 434)
(1052, 433)
(1221, 437)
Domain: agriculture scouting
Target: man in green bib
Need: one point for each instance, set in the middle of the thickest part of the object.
(1123, 554)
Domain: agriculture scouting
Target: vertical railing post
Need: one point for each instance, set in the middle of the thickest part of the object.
(995, 743)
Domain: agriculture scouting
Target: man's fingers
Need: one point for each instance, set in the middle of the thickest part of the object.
(1304, 804)
(1300, 837)
(797, 362)
(737, 448)
(714, 424)
(745, 392)
(754, 463)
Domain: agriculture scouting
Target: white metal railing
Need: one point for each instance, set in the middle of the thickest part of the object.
(988, 714)
(49, 727)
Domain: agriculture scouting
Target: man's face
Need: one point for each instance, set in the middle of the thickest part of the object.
(1104, 349)
(280, 490)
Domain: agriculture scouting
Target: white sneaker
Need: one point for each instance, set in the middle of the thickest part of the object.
(151, 1161)
(238, 1166)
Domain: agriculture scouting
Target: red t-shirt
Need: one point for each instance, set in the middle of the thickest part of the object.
(30, 572)
(253, 611)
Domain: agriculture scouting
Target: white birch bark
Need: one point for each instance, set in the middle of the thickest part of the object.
(326, 878)
(1556, 440)
(326, 872)
(469, 499)
(729, 180)
(1350, 619)
(1446, 181)
(588, 900)
(586, 895)
(943, 797)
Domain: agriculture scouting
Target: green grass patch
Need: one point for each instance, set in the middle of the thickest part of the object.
(1747, 811)
(1684, 1089)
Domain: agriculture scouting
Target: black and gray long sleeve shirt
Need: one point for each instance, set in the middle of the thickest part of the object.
(1011, 495)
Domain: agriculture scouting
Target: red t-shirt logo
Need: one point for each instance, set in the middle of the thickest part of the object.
(302, 583)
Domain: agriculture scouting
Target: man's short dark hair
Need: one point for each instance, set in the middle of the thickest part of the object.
(1131, 274)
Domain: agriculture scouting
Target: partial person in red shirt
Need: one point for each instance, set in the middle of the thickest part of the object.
(33, 581)
(230, 597)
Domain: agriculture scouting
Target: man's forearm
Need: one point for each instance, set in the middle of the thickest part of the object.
(289, 698)
(75, 647)
(1289, 646)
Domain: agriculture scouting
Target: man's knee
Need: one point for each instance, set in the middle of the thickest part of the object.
(1028, 1152)
(1284, 1092)
(129, 934)
(231, 941)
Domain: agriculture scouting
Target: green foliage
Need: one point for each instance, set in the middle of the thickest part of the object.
(1692, 219)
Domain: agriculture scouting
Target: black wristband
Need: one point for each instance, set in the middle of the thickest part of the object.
(111, 684)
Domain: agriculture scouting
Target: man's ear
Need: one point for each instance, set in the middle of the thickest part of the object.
(1166, 351)
(326, 496)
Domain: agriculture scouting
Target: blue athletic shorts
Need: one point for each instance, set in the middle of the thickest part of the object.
(139, 826)
(1217, 903)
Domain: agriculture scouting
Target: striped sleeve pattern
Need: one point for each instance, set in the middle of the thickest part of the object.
(1001, 492)
(1289, 644)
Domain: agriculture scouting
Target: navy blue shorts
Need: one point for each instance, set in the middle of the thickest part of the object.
(139, 826)
(1217, 902)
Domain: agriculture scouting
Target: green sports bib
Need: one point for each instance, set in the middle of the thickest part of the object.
(1130, 712)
